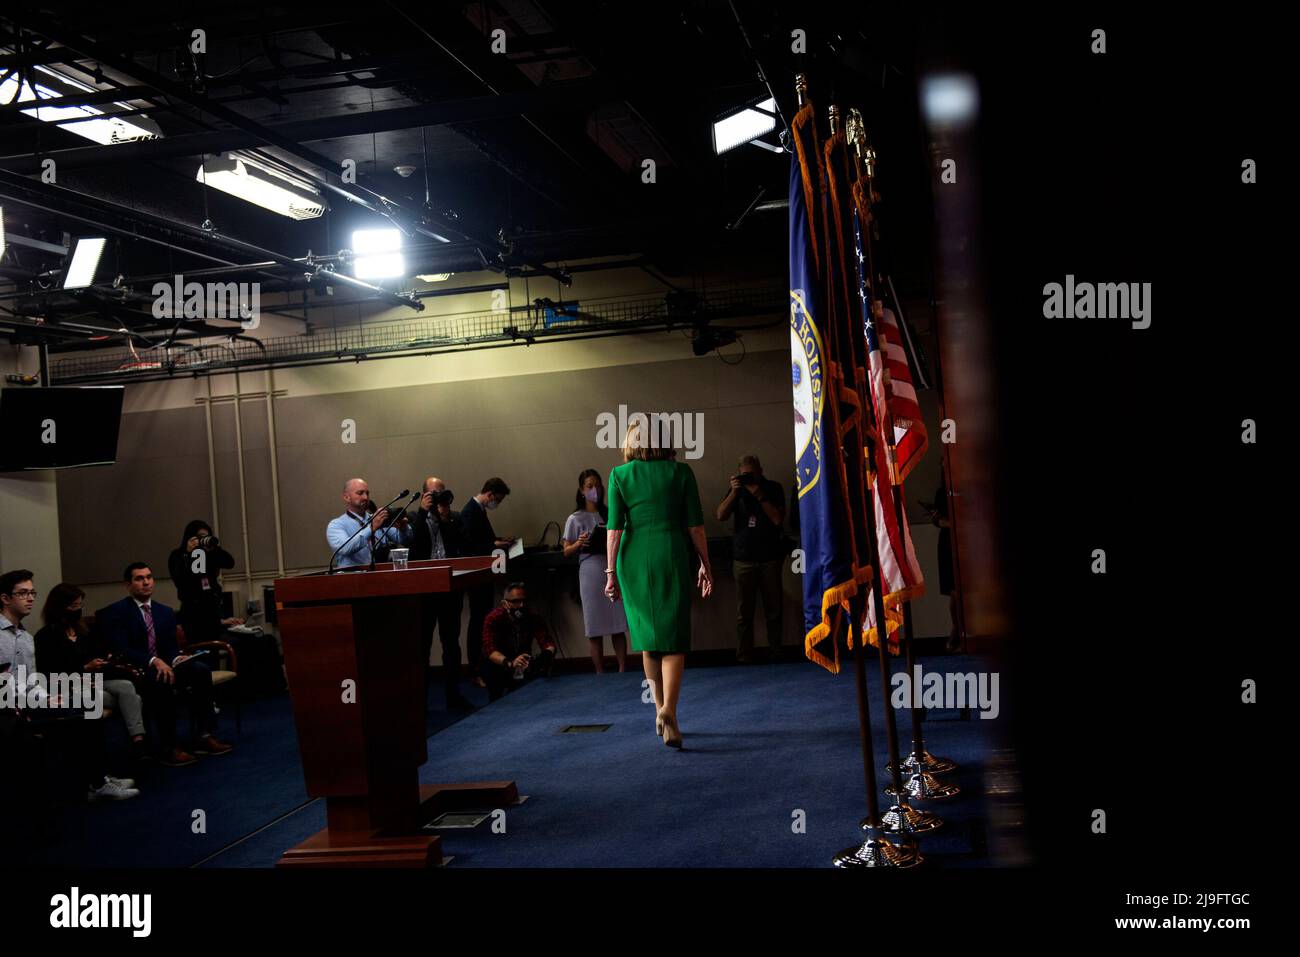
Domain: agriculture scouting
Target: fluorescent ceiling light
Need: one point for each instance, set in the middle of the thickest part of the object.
(378, 254)
(747, 124)
(94, 124)
(2, 232)
(430, 277)
(261, 184)
(80, 271)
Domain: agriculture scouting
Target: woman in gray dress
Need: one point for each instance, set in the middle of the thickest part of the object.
(600, 616)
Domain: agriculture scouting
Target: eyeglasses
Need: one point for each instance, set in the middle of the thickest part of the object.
(25, 593)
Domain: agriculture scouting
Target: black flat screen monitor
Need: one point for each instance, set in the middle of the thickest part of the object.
(59, 428)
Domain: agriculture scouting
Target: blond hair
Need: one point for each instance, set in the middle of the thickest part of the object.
(636, 445)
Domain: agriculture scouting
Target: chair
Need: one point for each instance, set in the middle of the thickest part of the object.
(227, 678)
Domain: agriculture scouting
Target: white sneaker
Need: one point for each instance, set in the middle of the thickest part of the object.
(111, 792)
(120, 782)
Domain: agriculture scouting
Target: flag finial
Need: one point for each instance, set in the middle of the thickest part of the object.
(835, 119)
(801, 87)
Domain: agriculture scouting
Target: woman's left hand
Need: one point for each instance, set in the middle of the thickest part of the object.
(611, 588)
(705, 583)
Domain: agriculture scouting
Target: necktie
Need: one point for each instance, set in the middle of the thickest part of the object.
(147, 612)
(435, 532)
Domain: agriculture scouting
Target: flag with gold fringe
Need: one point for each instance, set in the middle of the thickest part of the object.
(900, 571)
(829, 579)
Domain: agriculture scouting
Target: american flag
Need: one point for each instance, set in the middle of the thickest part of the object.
(892, 395)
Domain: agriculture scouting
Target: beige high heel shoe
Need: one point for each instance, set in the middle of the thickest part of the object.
(672, 736)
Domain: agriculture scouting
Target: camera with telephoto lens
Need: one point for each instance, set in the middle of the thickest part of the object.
(208, 541)
(746, 478)
(445, 497)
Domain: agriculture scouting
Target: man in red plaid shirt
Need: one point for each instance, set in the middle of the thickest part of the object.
(508, 635)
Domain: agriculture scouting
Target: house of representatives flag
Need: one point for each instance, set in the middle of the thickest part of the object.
(828, 579)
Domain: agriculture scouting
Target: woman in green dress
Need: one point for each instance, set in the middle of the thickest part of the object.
(651, 499)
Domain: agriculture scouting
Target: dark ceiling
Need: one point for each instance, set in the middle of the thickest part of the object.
(532, 157)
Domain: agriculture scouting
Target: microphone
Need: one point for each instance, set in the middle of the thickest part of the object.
(364, 526)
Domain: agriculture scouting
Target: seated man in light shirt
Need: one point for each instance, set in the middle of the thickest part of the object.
(356, 494)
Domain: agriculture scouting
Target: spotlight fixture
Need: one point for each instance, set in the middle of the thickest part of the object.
(707, 339)
(83, 262)
(378, 254)
(94, 124)
(256, 182)
(745, 125)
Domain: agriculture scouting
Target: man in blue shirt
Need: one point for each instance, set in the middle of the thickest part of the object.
(356, 495)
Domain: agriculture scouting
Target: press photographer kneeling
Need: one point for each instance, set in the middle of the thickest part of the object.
(508, 635)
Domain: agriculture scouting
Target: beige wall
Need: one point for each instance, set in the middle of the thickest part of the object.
(29, 504)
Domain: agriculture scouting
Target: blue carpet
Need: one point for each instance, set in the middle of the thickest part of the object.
(237, 792)
(762, 744)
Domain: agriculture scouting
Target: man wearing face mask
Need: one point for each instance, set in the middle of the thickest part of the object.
(481, 539)
(508, 635)
(436, 533)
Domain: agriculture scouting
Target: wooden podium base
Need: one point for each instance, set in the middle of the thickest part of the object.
(379, 849)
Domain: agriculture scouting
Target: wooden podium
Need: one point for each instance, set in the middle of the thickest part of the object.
(352, 654)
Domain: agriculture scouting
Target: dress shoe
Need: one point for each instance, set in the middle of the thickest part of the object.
(176, 758)
(672, 736)
(209, 745)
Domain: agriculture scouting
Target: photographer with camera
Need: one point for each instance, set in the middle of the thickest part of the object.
(436, 533)
(508, 635)
(195, 568)
(757, 506)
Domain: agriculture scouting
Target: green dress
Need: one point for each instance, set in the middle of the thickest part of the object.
(654, 503)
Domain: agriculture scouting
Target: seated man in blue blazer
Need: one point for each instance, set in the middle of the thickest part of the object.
(143, 632)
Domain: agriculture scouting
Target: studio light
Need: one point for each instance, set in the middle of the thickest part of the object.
(378, 254)
(744, 125)
(254, 182)
(83, 262)
(104, 128)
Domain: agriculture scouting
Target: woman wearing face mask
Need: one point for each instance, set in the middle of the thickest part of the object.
(64, 646)
(599, 615)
